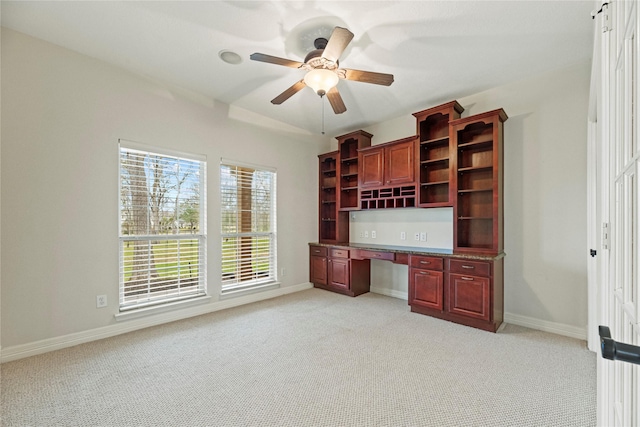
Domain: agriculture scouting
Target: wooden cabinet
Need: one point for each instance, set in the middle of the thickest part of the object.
(474, 292)
(387, 175)
(332, 268)
(433, 152)
(339, 273)
(318, 265)
(333, 225)
(469, 292)
(478, 183)
(348, 146)
(387, 164)
(426, 282)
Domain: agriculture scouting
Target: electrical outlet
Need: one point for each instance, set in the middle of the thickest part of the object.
(366, 234)
(362, 234)
(282, 271)
(423, 237)
(403, 235)
(416, 237)
(101, 301)
(373, 234)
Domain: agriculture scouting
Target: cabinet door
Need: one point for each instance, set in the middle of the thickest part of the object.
(339, 273)
(469, 296)
(399, 167)
(425, 288)
(372, 168)
(318, 270)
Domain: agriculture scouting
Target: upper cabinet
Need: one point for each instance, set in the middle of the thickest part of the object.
(478, 183)
(387, 174)
(348, 146)
(387, 164)
(433, 152)
(452, 161)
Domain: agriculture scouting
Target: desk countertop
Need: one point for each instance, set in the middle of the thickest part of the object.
(411, 250)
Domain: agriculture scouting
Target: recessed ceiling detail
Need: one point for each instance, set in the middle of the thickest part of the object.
(230, 57)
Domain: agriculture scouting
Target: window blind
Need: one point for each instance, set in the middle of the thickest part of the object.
(248, 226)
(162, 227)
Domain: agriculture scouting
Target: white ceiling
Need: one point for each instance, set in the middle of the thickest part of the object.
(437, 50)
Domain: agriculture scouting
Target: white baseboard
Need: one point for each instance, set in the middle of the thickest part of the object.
(546, 326)
(514, 319)
(50, 344)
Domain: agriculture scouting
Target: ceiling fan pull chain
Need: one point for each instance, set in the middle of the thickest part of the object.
(322, 114)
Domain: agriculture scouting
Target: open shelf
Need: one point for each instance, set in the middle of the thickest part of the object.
(443, 140)
(348, 146)
(434, 153)
(477, 141)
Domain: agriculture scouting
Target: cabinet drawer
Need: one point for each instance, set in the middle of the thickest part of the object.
(473, 268)
(338, 253)
(317, 251)
(425, 262)
(365, 254)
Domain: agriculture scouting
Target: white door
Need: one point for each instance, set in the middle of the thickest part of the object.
(617, 213)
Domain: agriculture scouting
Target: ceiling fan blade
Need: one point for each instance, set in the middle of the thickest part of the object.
(288, 93)
(275, 60)
(340, 38)
(366, 76)
(336, 101)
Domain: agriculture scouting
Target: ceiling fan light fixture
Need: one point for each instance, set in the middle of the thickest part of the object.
(321, 80)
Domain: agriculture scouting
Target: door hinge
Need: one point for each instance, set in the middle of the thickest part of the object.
(605, 16)
(605, 235)
(592, 252)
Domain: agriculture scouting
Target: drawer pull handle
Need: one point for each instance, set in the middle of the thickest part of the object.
(424, 272)
(466, 278)
(317, 251)
(377, 255)
(469, 267)
(425, 262)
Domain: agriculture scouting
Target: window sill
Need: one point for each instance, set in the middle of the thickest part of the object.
(161, 308)
(232, 293)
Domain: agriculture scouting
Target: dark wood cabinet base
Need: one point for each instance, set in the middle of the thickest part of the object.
(480, 324)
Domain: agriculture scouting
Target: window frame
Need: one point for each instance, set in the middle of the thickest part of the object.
(153, 298)
(234, 286)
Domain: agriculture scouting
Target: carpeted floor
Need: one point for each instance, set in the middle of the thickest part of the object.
(312, 358)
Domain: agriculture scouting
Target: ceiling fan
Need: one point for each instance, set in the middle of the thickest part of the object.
(323, 72)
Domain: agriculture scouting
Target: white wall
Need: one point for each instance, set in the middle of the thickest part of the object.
(62, 116)
(544, 195)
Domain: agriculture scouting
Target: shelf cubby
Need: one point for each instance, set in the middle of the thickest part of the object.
(388, 197)
(333, 225)
(348, 146)
(478, 185)
(434, 153)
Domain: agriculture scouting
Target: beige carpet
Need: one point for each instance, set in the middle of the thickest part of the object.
(313, 358)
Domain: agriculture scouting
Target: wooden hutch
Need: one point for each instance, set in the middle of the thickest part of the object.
(451, 162)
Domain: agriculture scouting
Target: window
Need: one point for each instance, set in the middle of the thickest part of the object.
(248, 198)
(162, 226)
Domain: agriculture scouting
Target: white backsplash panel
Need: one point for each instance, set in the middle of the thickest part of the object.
(432, 227)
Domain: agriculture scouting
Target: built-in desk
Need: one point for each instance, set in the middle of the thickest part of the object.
(463, 288)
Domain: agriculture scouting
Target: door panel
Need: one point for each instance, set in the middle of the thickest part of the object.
(616, 99)
(469, 296)
(426, 288)
(371, 169)
(339, 273)
(399, 167)
(318, 270)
